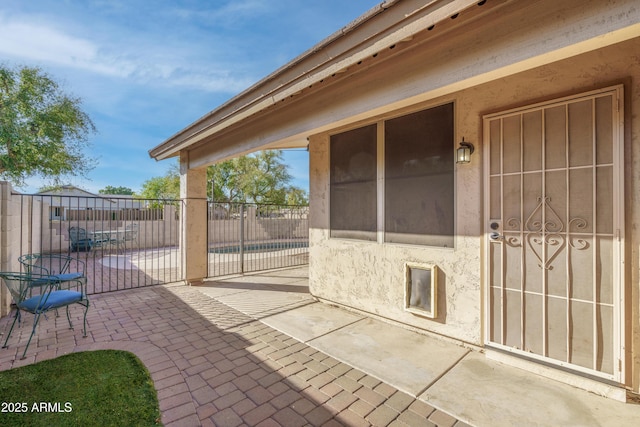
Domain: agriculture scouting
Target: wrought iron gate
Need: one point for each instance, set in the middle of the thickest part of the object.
(122, 242)
(126, 242)
(253, 237)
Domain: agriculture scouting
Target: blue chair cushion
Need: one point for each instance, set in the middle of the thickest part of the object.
(56, 299)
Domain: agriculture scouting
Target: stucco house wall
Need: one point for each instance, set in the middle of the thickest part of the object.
(370, 276)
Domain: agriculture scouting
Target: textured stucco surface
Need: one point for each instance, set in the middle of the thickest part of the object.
(369, 276)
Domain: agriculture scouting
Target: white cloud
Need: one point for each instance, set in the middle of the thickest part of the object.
(225, 14)
(142, 62)
(36, 42)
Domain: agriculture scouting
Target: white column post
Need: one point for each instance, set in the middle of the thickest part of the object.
(193, 239)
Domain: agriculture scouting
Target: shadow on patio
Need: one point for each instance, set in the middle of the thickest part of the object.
(214, 363)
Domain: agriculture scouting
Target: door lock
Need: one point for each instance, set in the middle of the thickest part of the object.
(496, 230)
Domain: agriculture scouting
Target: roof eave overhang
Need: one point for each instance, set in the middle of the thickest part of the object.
(387, 24)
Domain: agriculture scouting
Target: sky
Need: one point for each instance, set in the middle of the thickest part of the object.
(145, 70)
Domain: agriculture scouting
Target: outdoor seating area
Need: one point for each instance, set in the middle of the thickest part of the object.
(48, 282)
(120, 238)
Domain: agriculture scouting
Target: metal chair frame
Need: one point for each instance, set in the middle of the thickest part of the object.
(54, 265)
(79, 240)
(39, 294)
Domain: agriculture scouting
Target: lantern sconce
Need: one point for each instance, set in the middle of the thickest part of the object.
(464, 152)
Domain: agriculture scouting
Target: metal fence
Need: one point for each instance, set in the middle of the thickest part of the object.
(245, 238)
(126, 242)
(123, 242)
(124, 214)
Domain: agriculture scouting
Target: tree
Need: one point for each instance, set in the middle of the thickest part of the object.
(296, 196)
(162, 187)
(43, 131)
(126, 191)
(49, 188)
(227, 179)
(268, 178)
(255, 178)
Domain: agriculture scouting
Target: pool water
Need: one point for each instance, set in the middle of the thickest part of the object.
(259, 247)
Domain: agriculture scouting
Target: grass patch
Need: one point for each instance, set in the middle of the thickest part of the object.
(93, 388)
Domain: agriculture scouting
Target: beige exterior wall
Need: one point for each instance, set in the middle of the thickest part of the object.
(227, 231)
(41, 234)
(17, 235)
(370, 276)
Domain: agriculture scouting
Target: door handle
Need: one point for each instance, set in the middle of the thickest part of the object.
(496, 236)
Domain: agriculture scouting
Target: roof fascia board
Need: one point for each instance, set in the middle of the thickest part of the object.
(409, 22)
(510, 51)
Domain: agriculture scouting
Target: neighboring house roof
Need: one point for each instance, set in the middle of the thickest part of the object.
(118, 201)
(469, 42)
(68, 190)
(72, 190)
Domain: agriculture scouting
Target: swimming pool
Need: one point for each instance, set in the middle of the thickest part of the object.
(259, 247)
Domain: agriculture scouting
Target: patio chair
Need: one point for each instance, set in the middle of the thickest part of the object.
(38, 294)
(56, 267)
(79, 239)
(131, 234)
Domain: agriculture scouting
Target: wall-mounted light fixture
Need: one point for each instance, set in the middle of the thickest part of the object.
(464, 152)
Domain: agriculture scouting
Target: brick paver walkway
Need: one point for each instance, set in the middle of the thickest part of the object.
(215, 366)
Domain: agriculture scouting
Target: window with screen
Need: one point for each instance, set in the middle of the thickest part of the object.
(353, 189)
(419, 178)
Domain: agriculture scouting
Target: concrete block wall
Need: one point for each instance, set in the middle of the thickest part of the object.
(227, 231)
(151, 234)
(16, 237)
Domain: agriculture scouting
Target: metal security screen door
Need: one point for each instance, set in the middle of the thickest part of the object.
(554, 232)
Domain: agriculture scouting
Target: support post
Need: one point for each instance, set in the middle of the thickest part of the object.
(193, 238)
(242, 238)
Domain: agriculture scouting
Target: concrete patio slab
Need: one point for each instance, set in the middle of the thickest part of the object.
(489, 393)
(220, 291)
(409, 361)
(311, 321)
(260, 303)
(299, 272)
(279, 278)
(291, 280)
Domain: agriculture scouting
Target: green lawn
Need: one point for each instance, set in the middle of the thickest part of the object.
(94, 388)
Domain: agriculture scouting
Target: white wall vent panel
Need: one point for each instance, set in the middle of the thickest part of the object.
(421, 285)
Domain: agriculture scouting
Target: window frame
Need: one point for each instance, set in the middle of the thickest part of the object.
(381, 178)
(376, 153)
(450, 173)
